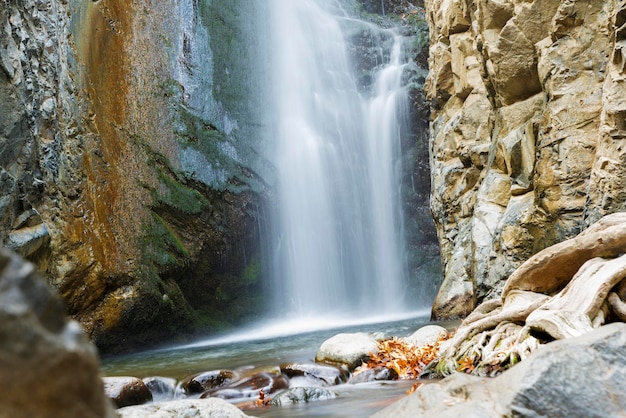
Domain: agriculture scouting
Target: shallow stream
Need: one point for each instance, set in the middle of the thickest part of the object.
(266, 347)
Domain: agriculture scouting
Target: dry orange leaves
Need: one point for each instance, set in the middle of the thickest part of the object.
(405, 359)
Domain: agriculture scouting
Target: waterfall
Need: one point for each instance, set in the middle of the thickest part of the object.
(338, 223)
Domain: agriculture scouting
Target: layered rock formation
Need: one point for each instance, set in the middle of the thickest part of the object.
(527, 133)
(118, 173)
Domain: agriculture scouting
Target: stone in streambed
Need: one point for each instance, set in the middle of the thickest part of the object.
(204, 381)
(196, 408)
(348, 349)
(162, 388)
(372, 375)
(316, 374)
(249, 387)
(126, 390)
(302, 395)
(429, 334)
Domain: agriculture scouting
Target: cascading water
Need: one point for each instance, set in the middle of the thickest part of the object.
(338, 226)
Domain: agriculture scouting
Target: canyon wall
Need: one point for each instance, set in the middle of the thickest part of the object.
(119, 174)
(528, 131)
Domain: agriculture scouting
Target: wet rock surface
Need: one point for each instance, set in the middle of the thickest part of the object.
(126, 391)
(207, 380)
(256, 386)
(161, 388)
(315, 374)
(302, 395)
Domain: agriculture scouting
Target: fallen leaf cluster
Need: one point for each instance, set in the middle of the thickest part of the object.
(405, 359)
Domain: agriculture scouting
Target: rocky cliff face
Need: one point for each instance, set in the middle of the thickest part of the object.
(118, 172)
(528, 132)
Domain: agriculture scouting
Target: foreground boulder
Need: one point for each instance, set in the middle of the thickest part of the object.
(47, 366)
(576, 377)
(197, 408)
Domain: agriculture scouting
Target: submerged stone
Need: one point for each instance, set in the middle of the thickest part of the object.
(372, 375)
(316, 373)
(204, 381)
(302, 395)
(249, 387)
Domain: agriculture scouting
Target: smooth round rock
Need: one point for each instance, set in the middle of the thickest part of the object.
(349, 349)
(249, 387)
(196, 408)
(204, 381)
(322, 374)
(126, 390)
(302, 395)
(429, 334)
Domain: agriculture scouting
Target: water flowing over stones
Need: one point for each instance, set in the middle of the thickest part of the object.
(527, 133)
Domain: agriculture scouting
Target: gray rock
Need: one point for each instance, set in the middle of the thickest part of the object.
(196, 408)
(204, 381)
(347, 349)
(126, 390)
(372, 375)
(28, 240)
(302, 395)
(46, 363)
(318, 374)
(577, 377)
(426, 335)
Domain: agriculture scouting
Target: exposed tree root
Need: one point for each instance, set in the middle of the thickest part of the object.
(563, 291)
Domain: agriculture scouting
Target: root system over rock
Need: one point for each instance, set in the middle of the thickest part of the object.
(564, 291)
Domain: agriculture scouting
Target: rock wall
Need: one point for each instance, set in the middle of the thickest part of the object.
(126, 166)
(528, 130)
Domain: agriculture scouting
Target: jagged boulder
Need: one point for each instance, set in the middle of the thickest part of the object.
(47, 366)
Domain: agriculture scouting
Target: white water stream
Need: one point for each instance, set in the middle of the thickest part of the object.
(339, 223)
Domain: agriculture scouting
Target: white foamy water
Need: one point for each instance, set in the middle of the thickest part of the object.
(338, 224)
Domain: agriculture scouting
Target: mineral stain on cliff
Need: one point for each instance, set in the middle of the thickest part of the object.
(140, 247)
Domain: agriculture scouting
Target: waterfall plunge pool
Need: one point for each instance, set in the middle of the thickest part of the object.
(267, 346)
